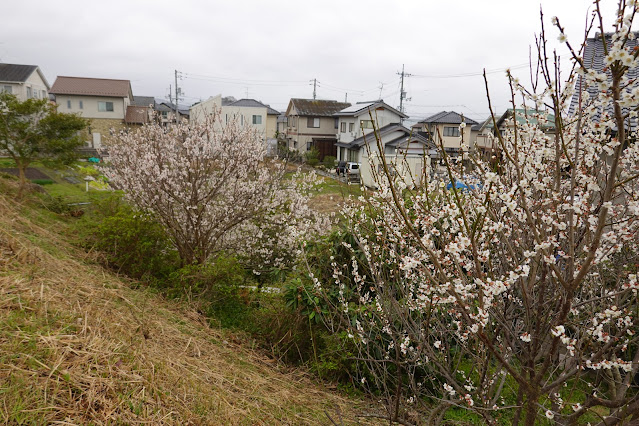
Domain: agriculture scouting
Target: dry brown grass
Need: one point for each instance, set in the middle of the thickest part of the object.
(80, 346)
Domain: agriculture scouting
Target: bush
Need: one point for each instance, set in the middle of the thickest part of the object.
(56, 204)
(131, 242)
(329, 162)
(312, 157)
(42, 181)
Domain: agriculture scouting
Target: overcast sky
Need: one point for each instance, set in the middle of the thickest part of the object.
(272, 50)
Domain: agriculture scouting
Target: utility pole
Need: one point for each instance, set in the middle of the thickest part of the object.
(402, 93)
(346, 97)
(381, 88)
(314, 88)
(178, 92)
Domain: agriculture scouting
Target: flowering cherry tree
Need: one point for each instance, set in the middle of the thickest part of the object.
(212, 188)
(515, 299)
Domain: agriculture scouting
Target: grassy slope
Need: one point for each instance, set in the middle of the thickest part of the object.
(79, 345)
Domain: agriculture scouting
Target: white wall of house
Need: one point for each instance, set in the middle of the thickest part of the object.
(411, 169)
(89, 106)
(356, 126)
(246, 116)
(271, 126)
(34, 87)
(200, 111)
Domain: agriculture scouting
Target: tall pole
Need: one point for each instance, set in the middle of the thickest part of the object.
(314, 88)
(346, 97)
(176, 96)
(402, 94)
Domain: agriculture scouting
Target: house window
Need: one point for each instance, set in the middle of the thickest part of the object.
(336, 123)
(6, 89)
(350, 126)
(309, 146)
(69, 104)
(105, 106)
(29, 92)
(166, 113)
(366, 124)
(343, 129)
(81, 104)
(451, 131)
(313, 122)
(257, 119)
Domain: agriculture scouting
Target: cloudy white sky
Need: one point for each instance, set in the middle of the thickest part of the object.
(271, 50)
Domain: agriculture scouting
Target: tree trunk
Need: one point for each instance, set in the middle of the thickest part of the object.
(23, 179)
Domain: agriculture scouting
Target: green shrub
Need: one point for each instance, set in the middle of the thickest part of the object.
(88, 171)
(132, 243)
(56, 204)
(329, 162)
(42, 181)
(312, 157)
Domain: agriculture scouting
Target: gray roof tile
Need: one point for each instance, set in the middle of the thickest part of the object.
(447, 117)
(593, 58)
(252, 103)
(16, 73)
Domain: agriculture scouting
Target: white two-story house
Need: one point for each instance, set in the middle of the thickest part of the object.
(103, 101)
(23, 81)
(360, 119)
(367, 126)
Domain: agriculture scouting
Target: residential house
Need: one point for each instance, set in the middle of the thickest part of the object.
(545, 120)
(483, 138)
(248, 112)
(594, 58)
(255, 113)
(444, 130)
(312, 124)
(102, 101)
(200, 110)
(281, 125)
(360, 119)
(166, 113)
(23, 81)
(140, 111)
(407, 153)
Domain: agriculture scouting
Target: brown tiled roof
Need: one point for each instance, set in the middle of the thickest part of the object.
(318, 108)
(91, 87)
(136, 114)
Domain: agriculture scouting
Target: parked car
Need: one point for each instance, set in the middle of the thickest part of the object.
(352, 168)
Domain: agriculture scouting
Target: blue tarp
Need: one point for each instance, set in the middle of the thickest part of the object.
(461, 185)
